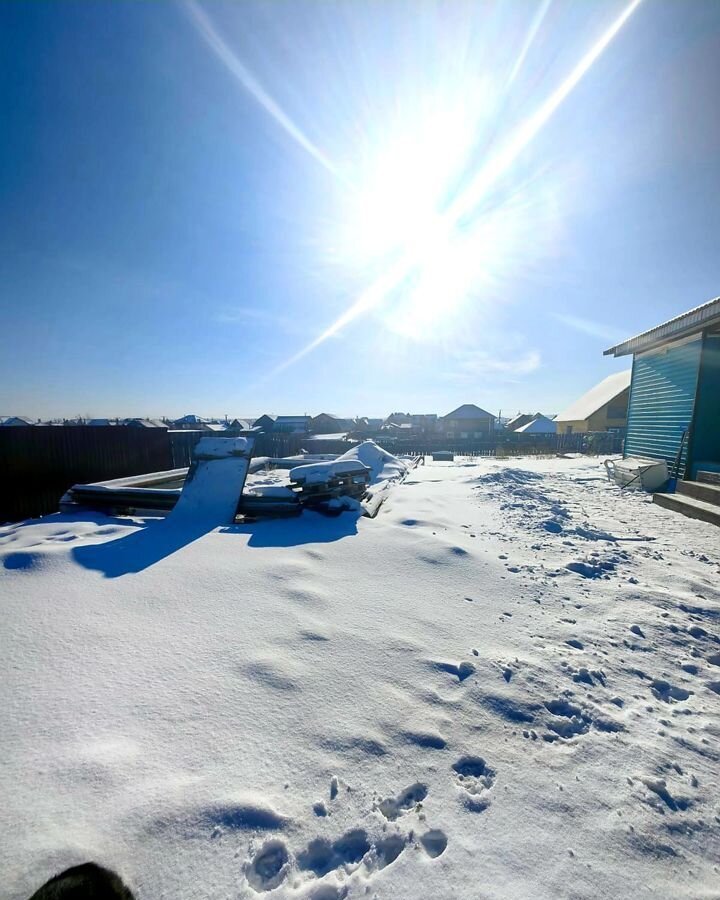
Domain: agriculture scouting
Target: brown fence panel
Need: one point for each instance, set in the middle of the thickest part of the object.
(38, 464)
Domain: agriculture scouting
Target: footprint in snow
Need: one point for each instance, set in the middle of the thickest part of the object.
(475, 778)
(434, 842)
(269, 866)
(408, 799)
(462, 670)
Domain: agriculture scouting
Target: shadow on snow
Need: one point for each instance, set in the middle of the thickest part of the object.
(158, 540)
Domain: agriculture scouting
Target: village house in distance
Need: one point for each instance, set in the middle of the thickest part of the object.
(602, 408)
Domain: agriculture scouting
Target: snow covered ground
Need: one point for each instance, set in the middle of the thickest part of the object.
(507, 685)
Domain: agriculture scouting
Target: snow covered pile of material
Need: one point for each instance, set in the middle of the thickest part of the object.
(446, 702)
(383, 465)
(319, 473)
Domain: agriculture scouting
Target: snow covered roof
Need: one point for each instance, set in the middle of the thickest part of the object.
(538, 425)
(190, 420)
(518, 420)
(596, 397)
(469, 411)
(337, 436)
(17, 420)
(694, 320)
(146, 423)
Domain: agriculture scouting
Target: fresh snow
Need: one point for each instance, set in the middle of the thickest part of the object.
(506, 685)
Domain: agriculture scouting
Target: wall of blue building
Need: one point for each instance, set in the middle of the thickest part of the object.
(705, 438)
(662, 400)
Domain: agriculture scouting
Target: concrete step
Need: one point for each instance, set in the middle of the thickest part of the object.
(689, 506)
(709, 477)
(709, 493)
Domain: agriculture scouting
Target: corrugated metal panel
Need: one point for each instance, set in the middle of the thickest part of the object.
(662, 398)
(681, 326)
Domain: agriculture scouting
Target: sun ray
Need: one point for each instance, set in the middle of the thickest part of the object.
(441, 229)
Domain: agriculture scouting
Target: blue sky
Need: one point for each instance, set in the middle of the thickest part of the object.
(192, 195)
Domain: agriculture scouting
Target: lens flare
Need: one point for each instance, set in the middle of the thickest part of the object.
(434, 266)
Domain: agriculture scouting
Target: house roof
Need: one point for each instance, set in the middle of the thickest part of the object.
(469, 411)
(688, 323)
(596, 398)
(270, 416)
(24, 419)
(518, 420)
(282, 419)
(190, 419)
(538, 425)
(147, 423)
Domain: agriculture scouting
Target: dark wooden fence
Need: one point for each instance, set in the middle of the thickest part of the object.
(38, 464)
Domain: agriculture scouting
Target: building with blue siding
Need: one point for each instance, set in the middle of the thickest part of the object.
(675, 391)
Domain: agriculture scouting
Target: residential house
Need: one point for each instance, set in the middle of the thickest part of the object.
(364, 426)
(602, 408)
(518, 421)
(418, 423)
(467, 421)
(674, 406)
(191, 423)
(539, 424)
(327, 423)
(265, 423)
(15, 421)
(146, 423)
(292, 425)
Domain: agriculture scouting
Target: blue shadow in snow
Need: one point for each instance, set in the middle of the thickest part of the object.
(157, 540)
(138, 551)
(307, 528)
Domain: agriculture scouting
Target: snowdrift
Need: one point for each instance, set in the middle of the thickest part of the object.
(383, 465)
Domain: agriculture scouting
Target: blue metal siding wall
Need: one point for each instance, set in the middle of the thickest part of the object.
(662, 397)
(705, 443)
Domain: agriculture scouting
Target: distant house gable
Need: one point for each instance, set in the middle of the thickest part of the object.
(326, 423)
(518, 421)
(265, 422)
(468, 411)
(539, 424)
(467, 421)
(14, 421)
(189, 420)
(292, 424)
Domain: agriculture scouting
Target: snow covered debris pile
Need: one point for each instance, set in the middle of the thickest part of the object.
(319, 473)
(383, 465)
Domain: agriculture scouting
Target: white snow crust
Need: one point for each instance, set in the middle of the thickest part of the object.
(506, 685)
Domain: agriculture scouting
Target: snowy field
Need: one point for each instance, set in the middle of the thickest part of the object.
(507, 685)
